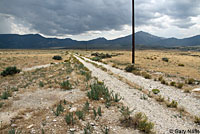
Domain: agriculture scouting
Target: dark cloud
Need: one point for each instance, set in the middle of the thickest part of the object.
(58, 17)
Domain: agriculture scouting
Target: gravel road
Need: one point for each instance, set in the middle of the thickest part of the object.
(186, 100)
(164, 118)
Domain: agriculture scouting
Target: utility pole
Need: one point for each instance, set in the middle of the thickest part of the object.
(133, 33)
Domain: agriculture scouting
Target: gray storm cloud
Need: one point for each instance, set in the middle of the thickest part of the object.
(60, 17)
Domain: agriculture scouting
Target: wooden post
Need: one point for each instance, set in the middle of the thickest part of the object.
(133, 33)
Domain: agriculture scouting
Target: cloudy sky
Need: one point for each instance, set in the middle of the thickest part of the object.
(88, 19)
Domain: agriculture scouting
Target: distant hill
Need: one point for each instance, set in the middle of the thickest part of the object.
(142, 40)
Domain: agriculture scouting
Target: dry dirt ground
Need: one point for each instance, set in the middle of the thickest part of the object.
(38, 102)
(46, 91)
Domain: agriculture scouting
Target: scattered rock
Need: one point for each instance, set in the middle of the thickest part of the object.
(30, 126)
(196, 90)
(14, 125)
(54, 120)
(73, 109)
(72, 129)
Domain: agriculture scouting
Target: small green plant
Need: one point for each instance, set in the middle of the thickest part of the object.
(69, 118)
(88, 129)
(197, 120)
(57, 57)
(1, 104)
(80, 115)
(165, 59)
(99, 111)
(156, 91)
(10, 71)
(116, 97)
(66, 85)
(173, 83)
(173, 104)
(5, 95)
(59, 109)
(95, 113)
(163, 81)
(43, 132)
(13, 131)
(41, 84)
(105, 130)
(160, 78)
(126, 112)
(86, 107)
(180, 85)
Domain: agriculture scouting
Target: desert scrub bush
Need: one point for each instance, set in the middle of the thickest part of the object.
(96, 58)
(86, 74)
(155, 91)
(181, 65)
(165, 59)
(173, 83)
(140, 121)
(57, 57)
(66, 85)
(180, 85)
(126, 113)
(98, 90)
(41, 84)
(69, 118)
(173, 104)
(59, 110)
(101, 55)
(160, 78)
(160, 98)
(130, 68)
(5, 95)
(146, 75)
(80, 115)
(10, 71)
(190, 81)
(197, 120)
(163, 81)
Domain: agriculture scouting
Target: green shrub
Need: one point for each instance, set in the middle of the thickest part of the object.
(180, 85)
(5, 95)
(130, 68)
(191, 81)
(57, 57)
(160, 78)
(41, 84)
(165, 59)
(98, 90)
(163, 81)
(173, 83)
(146, 75)
(156, 91)
(95, 113)
(173, 104)
(10, 71)
(80, 115)
(66, 85)
(197, 120)
(69, 118)
(181, 65)
(96, 58)
(116, 98)
(140, 121)
(88, 129)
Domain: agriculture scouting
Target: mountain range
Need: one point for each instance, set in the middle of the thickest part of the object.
(142, 40)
